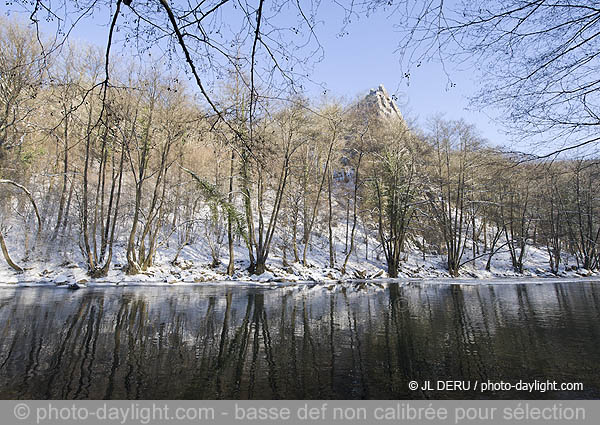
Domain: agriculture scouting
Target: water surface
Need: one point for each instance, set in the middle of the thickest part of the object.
(364, 341)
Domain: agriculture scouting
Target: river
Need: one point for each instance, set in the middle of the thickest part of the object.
(363, 341)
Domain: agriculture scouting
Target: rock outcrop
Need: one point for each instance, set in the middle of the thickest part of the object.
(379, 101)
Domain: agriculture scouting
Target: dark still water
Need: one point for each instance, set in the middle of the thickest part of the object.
(297, 342)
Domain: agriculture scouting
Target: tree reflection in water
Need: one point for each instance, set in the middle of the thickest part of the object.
(319, 342)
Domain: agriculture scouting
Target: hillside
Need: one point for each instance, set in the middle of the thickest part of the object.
(188, 240)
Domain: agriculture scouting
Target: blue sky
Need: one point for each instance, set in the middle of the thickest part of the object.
(364, 58)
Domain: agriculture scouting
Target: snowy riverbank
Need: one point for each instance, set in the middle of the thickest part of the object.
(193, 268)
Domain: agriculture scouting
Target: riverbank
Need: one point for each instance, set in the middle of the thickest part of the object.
(192, 269)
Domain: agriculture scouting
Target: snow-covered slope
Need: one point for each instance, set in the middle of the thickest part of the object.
(60, 262)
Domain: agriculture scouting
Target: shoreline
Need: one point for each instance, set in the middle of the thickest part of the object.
(195, 269)
(381, 282)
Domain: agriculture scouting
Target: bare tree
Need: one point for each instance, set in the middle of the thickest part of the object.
(356, 151)
(285, 136)
(583, 205)
(5, 251)
(20, 81)
(454, 145)
(538, 61)
(332, 119)
(393, 178)
(551, 216)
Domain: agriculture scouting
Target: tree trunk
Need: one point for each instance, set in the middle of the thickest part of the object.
(295, 234)
(347, 224)
(61, 204)
(392, 268)
(33, 204)
(231, 264)
(329, 219)
(308, 231)
(260, 265)
(9, 260)
(354, 217)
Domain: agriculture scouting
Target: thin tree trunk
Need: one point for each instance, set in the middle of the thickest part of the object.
(354, 216)
(61, 204)
(329, 219)
(295, 233)
(231, 265)
(316, 205)
(347, 224)
(7, 257)
(31, 200)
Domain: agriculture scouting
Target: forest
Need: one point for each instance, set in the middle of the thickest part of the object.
(138, 172)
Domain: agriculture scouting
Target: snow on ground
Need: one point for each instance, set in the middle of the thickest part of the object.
(62, 264)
